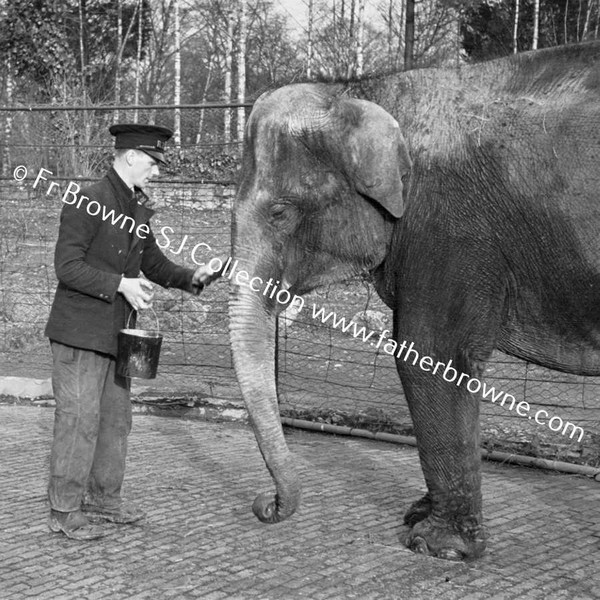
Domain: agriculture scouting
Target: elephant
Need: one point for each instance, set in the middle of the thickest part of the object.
(471, 198)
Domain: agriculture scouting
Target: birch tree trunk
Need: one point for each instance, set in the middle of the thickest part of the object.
(227, 91)
(85, 128)
(588, 16)
(516, 27)
(334, 17)
(138, 62)
(360, 27)
(177, 90)
(402, 27)
(390, 33)
(118, 60)
(203, 99)
(536, 24)
(6, 160)
(310, 50)
(241, 69)
(82, 53)
(458, 38)
(350, 41)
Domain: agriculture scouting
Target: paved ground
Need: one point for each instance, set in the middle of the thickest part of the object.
(197, 480)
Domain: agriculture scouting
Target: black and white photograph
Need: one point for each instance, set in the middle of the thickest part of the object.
(299, 299)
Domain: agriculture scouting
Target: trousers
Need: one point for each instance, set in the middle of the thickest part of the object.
(92, 421)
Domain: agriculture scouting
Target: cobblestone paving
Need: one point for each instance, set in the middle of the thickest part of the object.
(197, 481)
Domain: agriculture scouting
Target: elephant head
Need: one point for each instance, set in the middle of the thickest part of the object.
(323, 183)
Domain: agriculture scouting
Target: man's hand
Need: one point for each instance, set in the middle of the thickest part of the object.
(137, 291)
(202, 277)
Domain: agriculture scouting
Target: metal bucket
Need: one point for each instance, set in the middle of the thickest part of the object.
(138, 351)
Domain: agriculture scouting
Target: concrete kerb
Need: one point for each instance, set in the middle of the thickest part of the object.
(38, 392)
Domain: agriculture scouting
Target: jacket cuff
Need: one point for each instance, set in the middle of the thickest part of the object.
(111, 293)
(181, 279)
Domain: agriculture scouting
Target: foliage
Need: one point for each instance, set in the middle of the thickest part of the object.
(32, 38)
(487, 30)
(487, 25)
(204, 164)
(44, 41)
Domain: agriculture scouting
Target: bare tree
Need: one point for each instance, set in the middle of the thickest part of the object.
(227, 88)
(588, 16)
(155, 85)
(118, 59)
(207, 83)
(536, 24)
(516, 27)
(138, 61)
(309, 59)
(340, 40)
(9, 85)
(82, 51)
(241, 68)
(390, 32)
(121, 43)
(360, 25)
(177, 89)
(409, 35)
(394, 16)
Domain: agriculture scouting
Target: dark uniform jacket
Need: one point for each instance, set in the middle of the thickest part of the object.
(93, 251)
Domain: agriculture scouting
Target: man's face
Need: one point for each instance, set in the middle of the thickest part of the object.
(142, 168)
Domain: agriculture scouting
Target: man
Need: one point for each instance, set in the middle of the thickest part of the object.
(104, 242)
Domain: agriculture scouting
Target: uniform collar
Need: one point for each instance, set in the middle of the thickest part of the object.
(121, 187)
(127, 196)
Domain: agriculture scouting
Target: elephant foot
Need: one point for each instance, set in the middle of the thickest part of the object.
(269, 508)
(439, 538)
(418, 511)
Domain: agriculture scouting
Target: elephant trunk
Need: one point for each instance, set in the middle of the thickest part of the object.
(252, 335)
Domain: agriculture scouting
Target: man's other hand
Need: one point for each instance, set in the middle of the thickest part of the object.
(204, 276)
(137, 291)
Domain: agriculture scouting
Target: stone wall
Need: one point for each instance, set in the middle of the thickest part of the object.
(165, 193)
(192, 195)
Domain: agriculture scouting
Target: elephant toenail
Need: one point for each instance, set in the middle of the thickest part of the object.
(450, 554)
(419, 545)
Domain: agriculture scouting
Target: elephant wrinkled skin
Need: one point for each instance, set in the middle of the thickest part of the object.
(473, 201)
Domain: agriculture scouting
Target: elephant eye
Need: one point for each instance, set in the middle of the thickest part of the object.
(278, 210)
(283, 214)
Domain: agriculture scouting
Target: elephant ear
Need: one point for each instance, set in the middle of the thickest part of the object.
(376, 155)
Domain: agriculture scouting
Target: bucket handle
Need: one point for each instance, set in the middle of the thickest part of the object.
(150, 308)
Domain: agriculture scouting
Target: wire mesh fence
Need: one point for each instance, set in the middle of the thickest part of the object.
(323, 374)
(194, 328)
(337, 378)
(74, 142)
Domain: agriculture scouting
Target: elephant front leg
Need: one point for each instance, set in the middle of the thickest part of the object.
(447, 522)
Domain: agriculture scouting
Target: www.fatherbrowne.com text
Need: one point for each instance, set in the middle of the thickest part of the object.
(404, 350)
